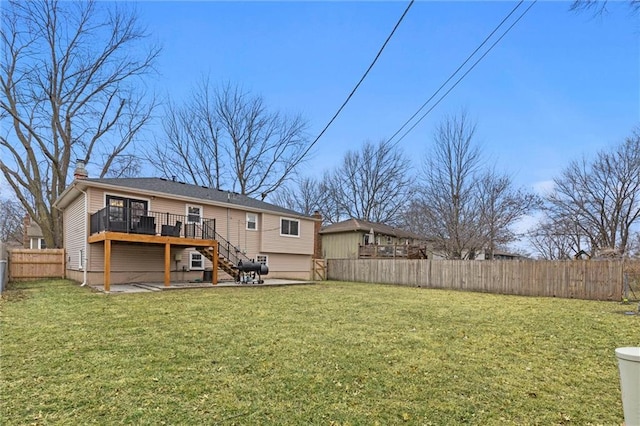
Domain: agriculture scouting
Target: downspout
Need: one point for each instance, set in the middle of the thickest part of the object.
(84, 252)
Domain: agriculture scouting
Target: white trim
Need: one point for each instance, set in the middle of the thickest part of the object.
(196, 268)
(290, 220)
(255, 222)
(186, 213)
(37, 242)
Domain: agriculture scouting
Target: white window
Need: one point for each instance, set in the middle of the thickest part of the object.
(37, 243)
(262, 258)
(252, 221)
(194, 214)
(196, 261)
(290, 227)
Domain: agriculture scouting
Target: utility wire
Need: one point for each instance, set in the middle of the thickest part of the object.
(298, 160)
(457, 70)
(463, 75)
(359, 82)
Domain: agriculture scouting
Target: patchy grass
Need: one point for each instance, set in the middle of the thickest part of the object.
(332, 353)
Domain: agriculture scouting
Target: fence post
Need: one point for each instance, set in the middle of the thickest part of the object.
(64, 264)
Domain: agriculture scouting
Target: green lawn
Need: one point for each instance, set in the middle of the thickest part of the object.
(326, 354)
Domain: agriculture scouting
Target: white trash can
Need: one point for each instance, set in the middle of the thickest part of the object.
(629, 364)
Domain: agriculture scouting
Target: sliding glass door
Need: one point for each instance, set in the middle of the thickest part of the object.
(123, 213)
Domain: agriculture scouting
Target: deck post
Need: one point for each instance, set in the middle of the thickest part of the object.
(167, 264)
(107, 265)
(214, 260)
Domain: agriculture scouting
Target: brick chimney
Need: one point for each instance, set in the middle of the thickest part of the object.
(317, 239)
(80, 172)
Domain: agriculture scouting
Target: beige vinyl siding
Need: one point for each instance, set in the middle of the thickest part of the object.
(128, 277)
(273, 242)
(75, 232)
(96, 199)
(231, 224)
(288, 266)
(133, 257)
(342, 245)
(287, 262)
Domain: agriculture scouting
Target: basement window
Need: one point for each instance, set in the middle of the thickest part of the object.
(196, 262)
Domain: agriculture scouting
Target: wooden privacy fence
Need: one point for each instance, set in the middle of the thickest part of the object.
(592, 279)
(27, 264)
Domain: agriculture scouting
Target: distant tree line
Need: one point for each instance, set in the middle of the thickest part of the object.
(72, 81)
(594, 206)
(454, 200)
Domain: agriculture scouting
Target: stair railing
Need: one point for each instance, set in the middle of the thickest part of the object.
(230, 252)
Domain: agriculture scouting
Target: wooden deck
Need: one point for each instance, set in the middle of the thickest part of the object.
(107, 237)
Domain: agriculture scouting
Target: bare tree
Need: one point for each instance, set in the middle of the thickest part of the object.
(602, 196)
(447, 198)
(556, 239)
(192, 141)
(227, 136)
(11, 214)
(305, 195)
(501, 206)
(371, 184)
(69, 89)
(599, 7)
(634, 246)
(462, 205)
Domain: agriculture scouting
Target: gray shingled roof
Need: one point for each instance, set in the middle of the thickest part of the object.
(351, 225)
(170, 187)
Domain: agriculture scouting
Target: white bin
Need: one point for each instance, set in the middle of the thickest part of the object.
(629, 364)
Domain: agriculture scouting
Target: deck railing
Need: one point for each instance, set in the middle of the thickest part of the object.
(386, 251)
(136, 221)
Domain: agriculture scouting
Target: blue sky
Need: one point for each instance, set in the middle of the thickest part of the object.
(560, 85)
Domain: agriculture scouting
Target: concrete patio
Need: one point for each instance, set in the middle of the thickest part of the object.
(150, 287)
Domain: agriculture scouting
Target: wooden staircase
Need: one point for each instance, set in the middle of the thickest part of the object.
(223, 263)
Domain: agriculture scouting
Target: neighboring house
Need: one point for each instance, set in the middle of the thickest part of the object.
(355, 238)
(151, 229)
(32, 238)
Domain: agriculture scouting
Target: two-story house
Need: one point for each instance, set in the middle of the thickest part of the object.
(124, 230)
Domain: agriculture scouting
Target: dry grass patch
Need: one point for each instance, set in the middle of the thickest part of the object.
(332, 353)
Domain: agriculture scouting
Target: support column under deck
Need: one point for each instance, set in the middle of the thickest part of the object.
(107, 265)
(167, 264)
(214, 262)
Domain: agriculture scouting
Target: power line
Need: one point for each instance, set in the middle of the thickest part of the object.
(359, 82)
(463, 75)
(458, 69)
